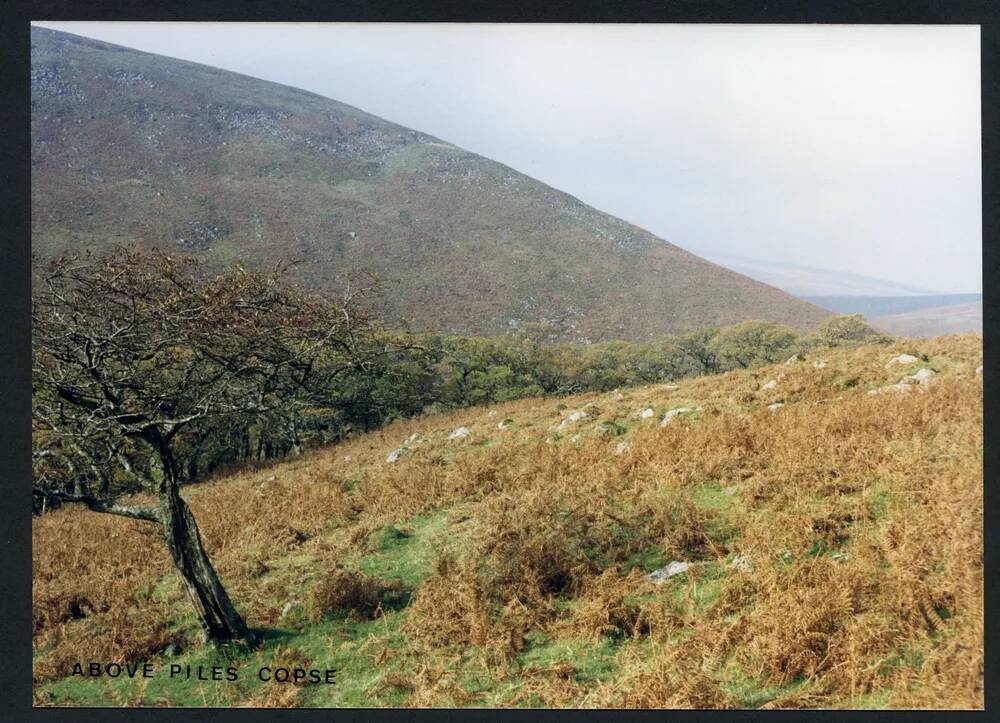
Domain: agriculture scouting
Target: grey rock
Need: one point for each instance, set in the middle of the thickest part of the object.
(672, 414)
(901, 359)
(396, 454)
(921, 376)
(572, 419)
(668, 571)
(742, 563)
(460, 433)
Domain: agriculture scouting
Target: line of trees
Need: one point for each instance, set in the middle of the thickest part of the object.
(149, 372)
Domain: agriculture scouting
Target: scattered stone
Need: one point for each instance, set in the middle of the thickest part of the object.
(922, 376)
(617, 396)
(669, 416)
(460, 433)
(287, 608)
(900, 387)
(396, 454)
(731, 490)
(840, 556)
(646, 413)
(505, 423)
(787, 556)
(776, 405)
(412, 438)
(769, 385)
(901, 359)
(820, 364)
(572, 419)
(668, 571)
(272, 478)
(794, 359)
(621, 448)
(670, 387)
(742, 563)
(491, 413)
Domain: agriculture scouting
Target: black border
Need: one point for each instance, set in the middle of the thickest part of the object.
(15, 397)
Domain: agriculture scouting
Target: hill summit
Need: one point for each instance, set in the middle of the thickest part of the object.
(130, 147)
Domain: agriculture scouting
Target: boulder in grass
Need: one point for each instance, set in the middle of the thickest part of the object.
(900, 387)
(672, 414)
(412, 439)
(460, 433)
(621, 448)
(769, 385)
(775, 406)
(668, 571)
(505, 423)
(820, 364)
(742, 563)
(901, 359)
(921, 376)
(572, 419)
(794, 359)
(396, 454)
(646, 413)
(670, 387)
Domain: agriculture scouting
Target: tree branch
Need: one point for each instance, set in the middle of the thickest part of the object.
(149, 514)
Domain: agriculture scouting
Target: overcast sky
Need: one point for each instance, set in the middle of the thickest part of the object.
(849, 148)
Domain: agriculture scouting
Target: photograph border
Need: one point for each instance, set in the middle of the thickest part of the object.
(15, 219)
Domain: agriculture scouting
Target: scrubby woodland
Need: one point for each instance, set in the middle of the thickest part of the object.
(458, 521)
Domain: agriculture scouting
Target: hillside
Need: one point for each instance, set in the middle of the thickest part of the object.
(132, 147)
(831, 523)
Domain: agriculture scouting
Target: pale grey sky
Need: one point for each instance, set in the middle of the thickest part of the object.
(852, 148)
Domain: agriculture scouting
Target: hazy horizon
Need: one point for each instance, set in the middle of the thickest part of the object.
(849, 148)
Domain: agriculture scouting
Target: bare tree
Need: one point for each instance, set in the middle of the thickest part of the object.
(131, 349)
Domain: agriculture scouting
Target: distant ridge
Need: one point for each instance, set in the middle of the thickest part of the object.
(884, 305)
(810, 281)
(138, 148)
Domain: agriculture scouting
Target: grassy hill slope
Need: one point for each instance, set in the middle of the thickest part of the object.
(834, 543)
(133, 147)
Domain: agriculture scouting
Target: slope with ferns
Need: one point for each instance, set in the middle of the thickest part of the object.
(832, 524)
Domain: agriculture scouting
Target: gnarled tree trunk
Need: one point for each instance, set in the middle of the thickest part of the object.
(218, 616)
